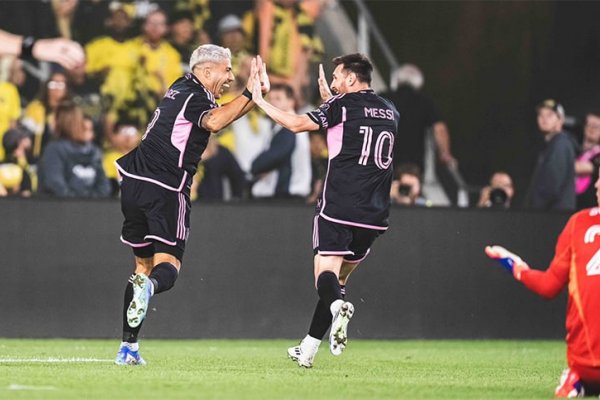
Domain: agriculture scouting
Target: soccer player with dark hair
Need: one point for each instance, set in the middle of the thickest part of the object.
(576, 264)
(353, 207)
(157, 176)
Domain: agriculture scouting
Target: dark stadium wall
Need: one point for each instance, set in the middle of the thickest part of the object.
(487, 64)
(248, 274)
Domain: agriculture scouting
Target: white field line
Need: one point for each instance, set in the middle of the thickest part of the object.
(16, 386)
(54, 360)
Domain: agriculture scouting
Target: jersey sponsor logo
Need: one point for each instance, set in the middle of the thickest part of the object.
(380, 113)
(593, 266)
(171, 93)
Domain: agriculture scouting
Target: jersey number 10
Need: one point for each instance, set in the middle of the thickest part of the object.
(380, 161)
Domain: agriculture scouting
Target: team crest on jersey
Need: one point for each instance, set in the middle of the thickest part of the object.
(171, 93)
(593, 266)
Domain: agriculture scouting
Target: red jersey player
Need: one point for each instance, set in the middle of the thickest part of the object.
(576, 264)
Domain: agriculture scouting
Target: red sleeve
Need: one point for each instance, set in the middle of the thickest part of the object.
(549, 283)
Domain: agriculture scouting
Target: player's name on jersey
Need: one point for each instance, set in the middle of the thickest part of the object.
(380, 113)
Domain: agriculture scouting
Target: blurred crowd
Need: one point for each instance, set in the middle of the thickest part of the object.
(61, 130)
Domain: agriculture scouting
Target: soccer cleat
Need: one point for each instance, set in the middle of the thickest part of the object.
(303, 354)
(338, 337)
(510, 261)
(126, 356)
(570, 385)
(142, 291)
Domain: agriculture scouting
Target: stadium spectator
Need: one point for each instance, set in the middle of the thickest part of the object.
(201, 12)
(406, 188)
(575, 265)
(15, 178)
(353, 209)
(283, 170)
(229, 33)
(39, 115)
(107, 55)
(248, 136)
(122, 141)
(71, 166)
(10, 104)
(419, 115)
(182, 35)
(219, 175)
(283, 34)
(552, 185)
(64, 13)
(498, 193)
(67, 53)
(588, 161)
(232, 36)
(155, 65)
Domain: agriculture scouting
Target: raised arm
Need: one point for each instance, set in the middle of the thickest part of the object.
(292, 121)
(65, 52)
(218, 118)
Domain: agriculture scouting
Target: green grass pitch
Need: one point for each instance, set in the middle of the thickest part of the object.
(259, 369)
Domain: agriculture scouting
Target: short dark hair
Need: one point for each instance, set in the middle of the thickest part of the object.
(287, 89)
(357, 63)
(594, 111)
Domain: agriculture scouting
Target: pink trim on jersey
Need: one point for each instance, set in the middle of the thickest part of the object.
(359, 260)
(335, 253)
(181, 131)
(143, 178)
(341, 221)
(136, 245)
(165, 241)
(335, 137)
(315, 236)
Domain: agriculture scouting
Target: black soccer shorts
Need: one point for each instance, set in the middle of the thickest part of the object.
(352, 242)
(157, 220)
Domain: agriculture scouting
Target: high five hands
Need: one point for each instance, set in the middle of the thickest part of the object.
(259, 79)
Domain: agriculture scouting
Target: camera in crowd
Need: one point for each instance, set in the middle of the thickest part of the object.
(498, 198)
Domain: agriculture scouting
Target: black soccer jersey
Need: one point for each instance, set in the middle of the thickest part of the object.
(170, 150)
(361, 130)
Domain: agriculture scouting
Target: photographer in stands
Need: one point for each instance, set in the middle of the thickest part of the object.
(499, 192)
(406, 188)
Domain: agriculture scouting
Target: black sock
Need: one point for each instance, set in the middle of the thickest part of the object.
(129, 334)
(321, 319)
(320, 322)
(163, 277)
(328, 287)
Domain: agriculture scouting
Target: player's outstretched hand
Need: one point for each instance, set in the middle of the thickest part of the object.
(324, 90)
(510, 261)
(257, 94)
(265, 83)
(66, 52)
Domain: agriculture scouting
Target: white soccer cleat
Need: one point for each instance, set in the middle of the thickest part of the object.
(142, 291)
(304, 354)
(338, 337)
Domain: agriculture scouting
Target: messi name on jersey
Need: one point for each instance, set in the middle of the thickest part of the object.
(380, 113)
